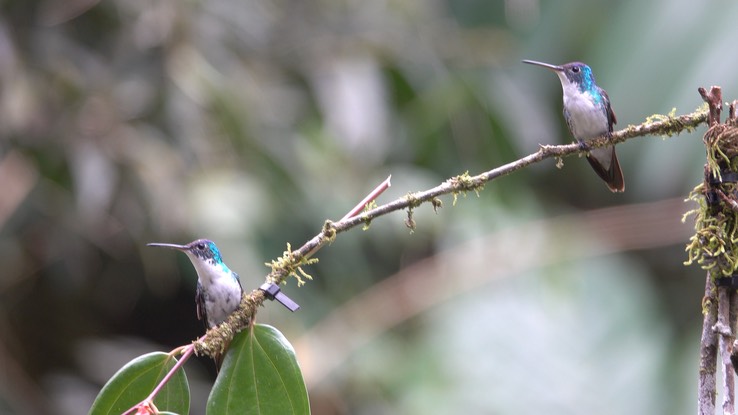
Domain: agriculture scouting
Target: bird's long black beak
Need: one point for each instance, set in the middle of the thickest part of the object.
(556, 68)
(171, 246)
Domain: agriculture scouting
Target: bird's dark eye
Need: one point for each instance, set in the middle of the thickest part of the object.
(201, 247)
(575, 69)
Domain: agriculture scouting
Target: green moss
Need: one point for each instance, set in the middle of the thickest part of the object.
(410, 222)
(661, 117)
(672, 124)
(289, 265)
(464, 183)
(714, 245)
(218, 338)
(371, 205)
(437, 204)
(329, 231)
(706, 304)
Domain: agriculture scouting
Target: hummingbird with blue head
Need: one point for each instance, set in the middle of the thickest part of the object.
(589, 115)
(219, 289)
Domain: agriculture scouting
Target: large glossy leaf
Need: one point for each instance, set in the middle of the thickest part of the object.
(135, 381)
(260, 375)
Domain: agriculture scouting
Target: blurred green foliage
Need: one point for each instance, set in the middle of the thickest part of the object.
(250, 123)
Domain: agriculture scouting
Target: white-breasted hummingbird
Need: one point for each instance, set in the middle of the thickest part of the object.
(589, 115)
(218, 288)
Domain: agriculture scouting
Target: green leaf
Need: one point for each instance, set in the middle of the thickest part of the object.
(135, 381)
(260, 375)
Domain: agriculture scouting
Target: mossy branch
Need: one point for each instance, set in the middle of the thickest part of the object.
(715, 247)
(292, 261)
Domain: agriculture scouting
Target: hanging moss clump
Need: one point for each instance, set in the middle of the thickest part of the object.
(714, 244)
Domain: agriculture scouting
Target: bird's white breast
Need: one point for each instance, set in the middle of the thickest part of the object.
(221, 291)
(586, 119)
(222, 299)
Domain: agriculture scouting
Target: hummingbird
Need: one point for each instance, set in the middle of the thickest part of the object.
(219, 289)
(589, 115)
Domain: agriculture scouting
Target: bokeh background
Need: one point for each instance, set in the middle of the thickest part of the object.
(124, 122)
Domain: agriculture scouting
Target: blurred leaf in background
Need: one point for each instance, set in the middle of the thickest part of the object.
(250, 123)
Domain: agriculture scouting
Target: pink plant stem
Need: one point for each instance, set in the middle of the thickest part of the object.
(371, 196)
(188, 351)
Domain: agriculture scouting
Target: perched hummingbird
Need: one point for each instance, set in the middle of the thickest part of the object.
(588, 114)
(218, 288)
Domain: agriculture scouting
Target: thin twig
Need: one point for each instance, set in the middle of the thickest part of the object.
(369, 198)
(465, 183)
(373, 195)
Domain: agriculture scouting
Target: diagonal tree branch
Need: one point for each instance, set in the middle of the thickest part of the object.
(291, 262)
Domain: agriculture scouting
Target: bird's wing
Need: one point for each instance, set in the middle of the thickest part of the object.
(238, 279)
(610, 113)
(200, 304)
